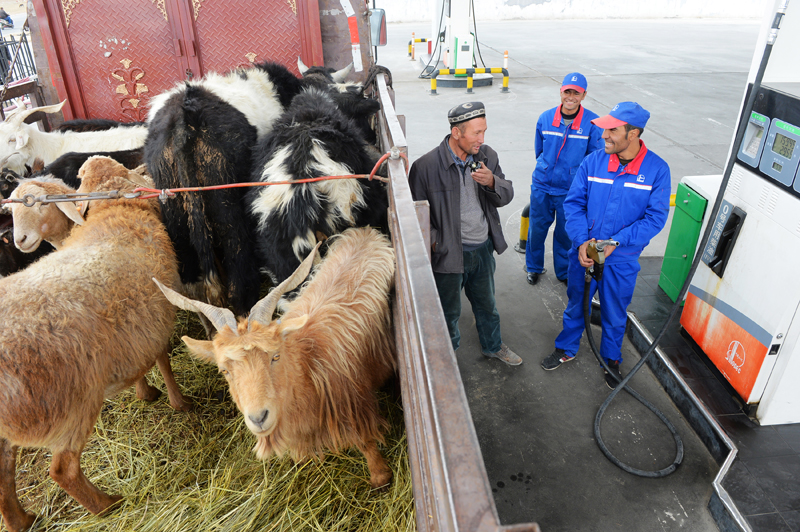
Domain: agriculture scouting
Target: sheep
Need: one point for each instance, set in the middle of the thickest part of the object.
(51, 222)
(307, 381)
(79, 326)
(32, 143)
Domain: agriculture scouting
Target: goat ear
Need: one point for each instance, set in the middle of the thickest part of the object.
(74, 212)
(293, 324)
(200, 349)
(22, 139)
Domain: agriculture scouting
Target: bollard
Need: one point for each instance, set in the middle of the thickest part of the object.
(413, 47)
(505, 60)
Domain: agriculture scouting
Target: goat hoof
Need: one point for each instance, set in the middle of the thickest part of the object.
(20, 523)
(182, 405)
(116, 502)
(380, 482)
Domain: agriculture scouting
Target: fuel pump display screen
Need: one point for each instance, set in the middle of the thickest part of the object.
(783, 145)
(753, 142)
(781, 159)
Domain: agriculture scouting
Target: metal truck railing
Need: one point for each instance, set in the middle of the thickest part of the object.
(451, 488)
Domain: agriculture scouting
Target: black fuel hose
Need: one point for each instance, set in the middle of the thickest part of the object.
(623, 385)
(748, 109)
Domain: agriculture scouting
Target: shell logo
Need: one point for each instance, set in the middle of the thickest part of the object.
(736, 356)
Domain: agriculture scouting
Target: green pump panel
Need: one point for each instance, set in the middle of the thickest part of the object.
(687, 220)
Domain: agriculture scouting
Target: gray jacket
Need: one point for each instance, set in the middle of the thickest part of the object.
(435, 177)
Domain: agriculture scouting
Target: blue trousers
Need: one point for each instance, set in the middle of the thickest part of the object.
(478, 283)
(544, 209)
(616, 291)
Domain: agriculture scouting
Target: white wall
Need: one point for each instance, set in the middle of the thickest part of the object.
(421, 10)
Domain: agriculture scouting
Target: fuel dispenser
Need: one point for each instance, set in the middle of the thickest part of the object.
(743, 301)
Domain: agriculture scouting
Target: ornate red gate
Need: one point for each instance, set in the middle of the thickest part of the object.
(108, 57)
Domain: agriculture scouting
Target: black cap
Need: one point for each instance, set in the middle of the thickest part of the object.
(465, 111)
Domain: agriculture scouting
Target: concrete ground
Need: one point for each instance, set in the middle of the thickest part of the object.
(535, 427)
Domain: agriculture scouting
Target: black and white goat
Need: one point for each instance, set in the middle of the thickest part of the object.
(312, 139)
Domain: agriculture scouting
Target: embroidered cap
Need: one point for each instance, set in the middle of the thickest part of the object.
(465, 111)
(624, 113)
(576, 81)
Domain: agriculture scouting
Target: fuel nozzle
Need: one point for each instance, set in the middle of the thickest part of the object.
(595, 251)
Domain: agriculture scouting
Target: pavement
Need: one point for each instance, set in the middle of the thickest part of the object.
(535, 427)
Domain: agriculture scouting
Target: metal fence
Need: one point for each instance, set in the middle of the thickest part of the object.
(24, 66)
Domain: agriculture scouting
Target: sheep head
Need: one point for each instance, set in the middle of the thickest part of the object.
(251, 354)
(43, 221)
(17, 152)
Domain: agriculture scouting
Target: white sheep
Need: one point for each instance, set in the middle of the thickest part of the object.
(77, 327)
(24, 142)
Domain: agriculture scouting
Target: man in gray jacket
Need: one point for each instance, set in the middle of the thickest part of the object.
(462, 181)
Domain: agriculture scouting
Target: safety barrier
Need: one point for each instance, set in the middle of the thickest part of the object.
(412, 48)
(469, 72)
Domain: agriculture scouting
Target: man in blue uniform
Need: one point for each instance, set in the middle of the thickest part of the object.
(564, 136)
(622, 194)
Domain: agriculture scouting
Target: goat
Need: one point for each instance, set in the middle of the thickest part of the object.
(307, 382)
(32, 143)
(93, 326)
(312, 139)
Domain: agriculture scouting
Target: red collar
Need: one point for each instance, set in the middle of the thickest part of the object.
(633, 166)
(576, 124)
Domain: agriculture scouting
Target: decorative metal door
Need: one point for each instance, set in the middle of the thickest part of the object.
(260, 30)
(109, 57)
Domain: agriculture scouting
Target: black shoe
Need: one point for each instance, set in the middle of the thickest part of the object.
(533, 278)
(555, 359)
(613, 378)
(563, 281)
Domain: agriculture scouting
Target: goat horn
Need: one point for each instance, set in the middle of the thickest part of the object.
(340, 76)
(219, 317)
(262, 311)
(18, 117)
(301, 66)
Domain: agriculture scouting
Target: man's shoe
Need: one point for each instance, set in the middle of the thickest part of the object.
(519, 247)
(533, 278)
(506, 355)
(611, 381)
(555, 359)
(563, 281)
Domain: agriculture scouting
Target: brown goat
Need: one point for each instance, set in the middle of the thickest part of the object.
(78, 326)
(307, 381)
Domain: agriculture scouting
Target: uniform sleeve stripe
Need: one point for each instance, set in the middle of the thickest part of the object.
(640, 187)
(602, 180)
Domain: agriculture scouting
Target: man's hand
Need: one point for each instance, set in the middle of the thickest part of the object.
(483, 176)
(583, 258)
(608, 249)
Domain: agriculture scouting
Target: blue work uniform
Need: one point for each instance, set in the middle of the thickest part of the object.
(560, 149)
(628, 204)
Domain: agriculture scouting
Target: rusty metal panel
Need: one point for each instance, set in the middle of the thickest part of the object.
(124, 53)
(451, 487)
(338, 37)
(234, 33)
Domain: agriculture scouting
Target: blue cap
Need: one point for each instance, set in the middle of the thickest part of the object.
(576, 81)
(624, 113)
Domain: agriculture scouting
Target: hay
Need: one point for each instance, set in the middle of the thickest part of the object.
(189, 472)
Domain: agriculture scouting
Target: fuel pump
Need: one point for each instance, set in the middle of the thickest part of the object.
(743, 301)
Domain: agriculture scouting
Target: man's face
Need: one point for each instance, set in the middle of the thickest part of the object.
(617, 139)
(571, 100)
(471, 138)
